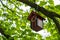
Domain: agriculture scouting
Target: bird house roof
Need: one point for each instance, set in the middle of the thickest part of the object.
(35, 15)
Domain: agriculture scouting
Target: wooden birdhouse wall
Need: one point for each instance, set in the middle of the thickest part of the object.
(36, 21)
(39, 22)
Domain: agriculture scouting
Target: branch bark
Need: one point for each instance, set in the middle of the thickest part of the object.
(2, 32)
(57, 24)
(41, 9)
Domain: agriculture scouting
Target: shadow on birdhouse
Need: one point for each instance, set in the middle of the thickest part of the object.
(36, 21)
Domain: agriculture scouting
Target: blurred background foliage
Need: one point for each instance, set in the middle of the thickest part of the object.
(13, 20)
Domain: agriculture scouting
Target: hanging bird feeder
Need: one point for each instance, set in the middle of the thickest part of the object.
(36, 21)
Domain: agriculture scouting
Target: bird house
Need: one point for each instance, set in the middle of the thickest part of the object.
(36, 21)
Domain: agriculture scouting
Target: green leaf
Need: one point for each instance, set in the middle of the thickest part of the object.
(57, 6)
(42, 3)
(51, 2)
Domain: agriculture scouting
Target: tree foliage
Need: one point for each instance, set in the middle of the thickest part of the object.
(13, 20)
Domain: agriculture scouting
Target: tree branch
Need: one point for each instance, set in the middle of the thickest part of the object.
(41, 9)
(2, 32)
(9, 8)
(57, 24)
(14, 4)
